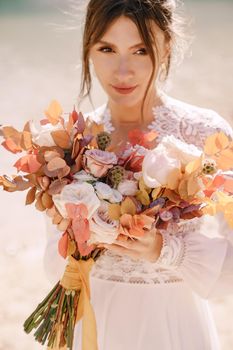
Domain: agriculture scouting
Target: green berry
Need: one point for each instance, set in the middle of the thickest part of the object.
(103, 140)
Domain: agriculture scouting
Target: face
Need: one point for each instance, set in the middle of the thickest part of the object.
(122, 63)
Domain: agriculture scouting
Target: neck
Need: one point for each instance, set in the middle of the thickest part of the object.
(132, 116)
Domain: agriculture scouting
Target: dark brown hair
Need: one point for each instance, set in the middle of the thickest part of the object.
(101, 14)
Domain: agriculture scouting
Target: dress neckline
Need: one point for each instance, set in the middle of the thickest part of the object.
(156, 111)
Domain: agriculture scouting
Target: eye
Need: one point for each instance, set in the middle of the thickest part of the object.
(105, 49)
(142, 51)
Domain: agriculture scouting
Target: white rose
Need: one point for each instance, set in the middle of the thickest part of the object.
(128, 188)
(41, 134)
(178, 149)
(103, 229)
(83, 176)
(103, 190)
(116, 196)
(157, 166)
(77, 193)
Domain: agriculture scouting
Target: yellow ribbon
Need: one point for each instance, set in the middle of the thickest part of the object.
(76, 277)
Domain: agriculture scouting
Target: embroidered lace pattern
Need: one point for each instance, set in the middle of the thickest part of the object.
(190, 124)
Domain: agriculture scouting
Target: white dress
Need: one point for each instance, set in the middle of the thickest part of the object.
(163, 305)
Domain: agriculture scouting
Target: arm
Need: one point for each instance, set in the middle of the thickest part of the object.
(54, 263)
(205, 264)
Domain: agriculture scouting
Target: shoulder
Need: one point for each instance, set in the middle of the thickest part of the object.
(196, 123)
(100, 115)
(96, 115)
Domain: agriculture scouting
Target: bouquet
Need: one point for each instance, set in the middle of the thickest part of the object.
(99, 193)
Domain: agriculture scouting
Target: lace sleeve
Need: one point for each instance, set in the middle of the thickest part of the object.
(203, 262)
(207, 123)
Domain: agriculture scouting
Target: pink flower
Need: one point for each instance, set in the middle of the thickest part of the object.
(98, 162)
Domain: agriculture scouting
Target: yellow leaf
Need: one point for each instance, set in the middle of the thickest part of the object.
(156, 192)
(128, 206)
(192, 185)
(182, 189)
(215, 143)
(228, 214)
(54, 112)
(193, 166)
(210, 208)
(174, 179)
(143, 197)
(114, 211)
(26, 140)
(143, 186)
(225, 160)
(71, 247)
(222, 140)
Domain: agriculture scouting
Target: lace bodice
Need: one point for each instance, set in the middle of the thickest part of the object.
(188, 123)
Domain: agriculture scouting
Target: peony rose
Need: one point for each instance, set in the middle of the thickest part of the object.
(178, 149)
(98, 162)
(128, 188)
(103, 229)
(41, 134)
(157, 167)
(77, 193)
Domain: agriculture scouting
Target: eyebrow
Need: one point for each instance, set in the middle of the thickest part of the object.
(107, 43)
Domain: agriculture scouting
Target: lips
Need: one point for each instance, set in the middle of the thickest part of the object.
(124, 89)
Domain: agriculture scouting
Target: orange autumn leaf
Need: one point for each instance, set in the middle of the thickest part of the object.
(54, 112)
(215, 143)
(225, 159)
(61, 138)
(63, 245)
(128, 206)
(26, 140)
(56, 163)
(139, 137)
(114, 211)
(12, 146)
(31, 195)
(28, 164)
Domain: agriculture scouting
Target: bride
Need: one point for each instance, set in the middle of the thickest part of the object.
(150, 293)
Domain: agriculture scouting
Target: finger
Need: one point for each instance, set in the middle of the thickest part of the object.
(130, 244)
(122, 250)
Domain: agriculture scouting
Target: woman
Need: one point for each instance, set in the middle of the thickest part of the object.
(149, 293)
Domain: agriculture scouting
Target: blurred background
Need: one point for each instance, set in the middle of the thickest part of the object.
(40, 46)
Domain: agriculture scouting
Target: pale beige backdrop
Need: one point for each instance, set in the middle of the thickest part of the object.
(39, 61)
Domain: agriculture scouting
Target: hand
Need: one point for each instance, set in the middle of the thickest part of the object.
(147, 247)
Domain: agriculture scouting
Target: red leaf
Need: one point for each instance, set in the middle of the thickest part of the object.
(63, 245)
(74, 115)
(80, 125)
(81, 229)
(28, 164)
(75, 210)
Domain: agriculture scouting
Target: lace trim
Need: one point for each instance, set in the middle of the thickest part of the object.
(172, 252)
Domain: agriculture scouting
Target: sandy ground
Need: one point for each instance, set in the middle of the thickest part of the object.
(34, 70)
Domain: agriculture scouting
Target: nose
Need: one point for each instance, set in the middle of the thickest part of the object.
(123, 70)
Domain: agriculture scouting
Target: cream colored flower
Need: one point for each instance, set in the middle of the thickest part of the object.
(178, 149)
(157, 167)
(41, 134)
(77, 193)
(103, 229)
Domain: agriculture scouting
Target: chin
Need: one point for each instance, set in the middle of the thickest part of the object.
(126, 101)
